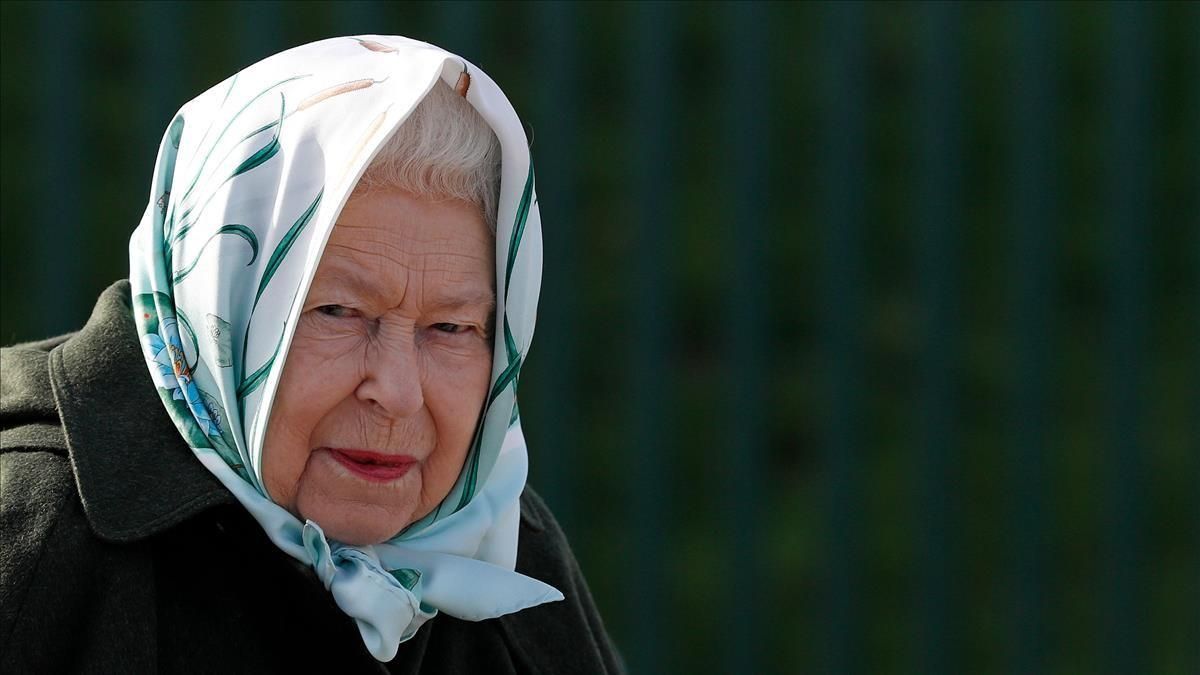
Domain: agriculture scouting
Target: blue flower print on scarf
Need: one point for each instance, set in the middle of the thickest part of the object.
(172, 373)
(168, 357)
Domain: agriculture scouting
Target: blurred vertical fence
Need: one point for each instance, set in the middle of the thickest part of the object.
(870, 333)
(843, 188)
(1035, 181)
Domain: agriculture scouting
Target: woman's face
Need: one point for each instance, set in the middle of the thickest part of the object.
(388, 369)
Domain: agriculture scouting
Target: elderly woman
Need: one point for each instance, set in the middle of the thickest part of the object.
(290, 441)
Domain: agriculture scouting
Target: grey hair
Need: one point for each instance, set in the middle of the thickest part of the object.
(444, 150)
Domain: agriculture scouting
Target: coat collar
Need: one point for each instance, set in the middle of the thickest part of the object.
(136, 476)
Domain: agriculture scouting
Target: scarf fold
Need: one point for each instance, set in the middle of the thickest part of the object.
(249, 180)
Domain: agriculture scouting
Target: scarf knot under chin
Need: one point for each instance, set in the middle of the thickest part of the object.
(387, 600)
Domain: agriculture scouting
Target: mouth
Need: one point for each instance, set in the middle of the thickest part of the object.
(373, 466)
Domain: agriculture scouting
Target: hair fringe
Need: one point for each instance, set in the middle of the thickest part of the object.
(444, 150)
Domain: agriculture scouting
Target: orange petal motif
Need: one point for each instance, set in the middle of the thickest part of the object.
(371, 129)
(377, 46)
(335, 90)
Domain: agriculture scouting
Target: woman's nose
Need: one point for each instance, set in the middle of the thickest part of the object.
(392, 374)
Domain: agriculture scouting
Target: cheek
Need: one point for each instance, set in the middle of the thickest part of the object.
(455, 387)
(314, 381)
(454, 394)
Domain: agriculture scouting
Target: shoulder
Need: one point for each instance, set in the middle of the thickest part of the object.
(562, 637)
(35, 483)
(38, 492)
(36, 475)
(35, 472)
(25, 390)
(38, 496)
(28, 415)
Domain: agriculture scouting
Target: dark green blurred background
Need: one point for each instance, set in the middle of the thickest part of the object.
(870, 333)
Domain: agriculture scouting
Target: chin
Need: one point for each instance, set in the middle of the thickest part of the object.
(356, 524)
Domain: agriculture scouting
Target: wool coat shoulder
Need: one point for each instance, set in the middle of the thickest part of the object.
(121, 553)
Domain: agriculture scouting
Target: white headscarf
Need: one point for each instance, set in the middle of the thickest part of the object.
(250, 178)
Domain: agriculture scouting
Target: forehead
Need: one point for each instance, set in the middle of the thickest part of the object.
(388, 242)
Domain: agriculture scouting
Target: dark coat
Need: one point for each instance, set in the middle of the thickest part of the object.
(122, 553)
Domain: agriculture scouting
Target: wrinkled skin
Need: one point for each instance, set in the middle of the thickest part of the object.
(392, 354)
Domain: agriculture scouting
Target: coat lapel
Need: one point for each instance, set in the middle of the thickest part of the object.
(136, 476)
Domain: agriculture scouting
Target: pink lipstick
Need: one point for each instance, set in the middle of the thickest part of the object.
(373, 466)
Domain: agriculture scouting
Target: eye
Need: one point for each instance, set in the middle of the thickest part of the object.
(449, 327)
(337, 311)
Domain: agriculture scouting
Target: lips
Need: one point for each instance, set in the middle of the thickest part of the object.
(373, 466)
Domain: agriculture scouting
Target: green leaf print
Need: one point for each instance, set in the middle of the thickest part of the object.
(239, 230)
(518, 228)
(168, 221)
(407, 577)
(175, 133)
(147, 312)
(471, 465)
(267, 151)
(252, 134)
(254, 161)
(285, 245)
(191, 213)
(200, 170)
(223, 441)
(256, 378)
(184, 421)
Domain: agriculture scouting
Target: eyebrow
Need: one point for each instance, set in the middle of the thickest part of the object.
(471, 298)
(468, 298)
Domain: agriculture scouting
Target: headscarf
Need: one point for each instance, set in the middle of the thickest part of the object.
(249, 181)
